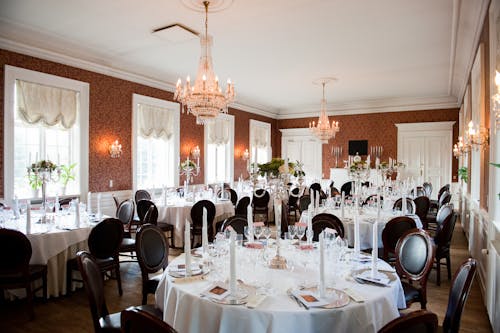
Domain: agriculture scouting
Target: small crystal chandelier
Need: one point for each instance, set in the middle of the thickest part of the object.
(204, 99)
(322, 130)
(476, 138)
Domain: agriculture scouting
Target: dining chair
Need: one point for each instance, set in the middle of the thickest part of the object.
(442, 240)
(422, 204)
(420, 321)
(435, 203)
(372, 197)
(285, 214)
(234, 196)
(237, 222)
(459, 292)
(392, 232)
(125, 214)
(142, 207)
(410, 206)
(428, 189)
(414, 259)
(242, 206)
(304, 202)
(117, 202)
(316, 187)
(260, 202)
(293, 200)
(104, 243)
(141, 195)
(197, 219)
(15, 268)
(152, 255)
(102, 320)
(326, 220)
(432, 215)
(346, 188)
(148, 213)
(135, 320)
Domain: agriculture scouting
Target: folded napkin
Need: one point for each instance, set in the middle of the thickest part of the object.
(381, 279)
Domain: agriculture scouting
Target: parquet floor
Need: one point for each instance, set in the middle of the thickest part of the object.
(71, 313)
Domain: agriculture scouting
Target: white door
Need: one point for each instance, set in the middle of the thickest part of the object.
(426, 150)
(297, 144)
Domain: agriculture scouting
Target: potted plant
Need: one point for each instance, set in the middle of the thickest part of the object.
(463, 174)
(67, 174)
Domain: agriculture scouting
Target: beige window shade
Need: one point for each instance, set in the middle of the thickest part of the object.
(218, 131)
(260, 137)
(48, 105)
(155, 122)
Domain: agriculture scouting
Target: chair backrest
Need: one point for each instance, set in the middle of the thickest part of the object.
(422, 204)
(444, 233)
(410, 205)
(393, 230)
(15, 252)
(444, 198)
(293, 197)
(234, 196)
(420, 191)
(304, 202)
(443, 212)
(141, 195)
(142, 207)
(242, 206)
(414, 256)
(237, 222)
(316, 187)
(442, 189)
(117, 202)
(459, 291)
(151, 216)
(325, 220)
(346, 188)
(135, 320)
(260, 198)
(125, 213)
(105, 238)
(428, 188)
(197, 216)
(94, 286)
(284, 218)
(420, 321)
(152, 249)
(372, 197)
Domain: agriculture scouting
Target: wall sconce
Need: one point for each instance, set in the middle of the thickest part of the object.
(246, 155)
(476, 137)
(196, 153)
(115, 150)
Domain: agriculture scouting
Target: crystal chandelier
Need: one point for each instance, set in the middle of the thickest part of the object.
(476, 137)
(204, 99)
(322, 130)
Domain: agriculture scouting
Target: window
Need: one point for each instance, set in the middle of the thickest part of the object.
(260, 142)
(46, 118)
(156, 142)
(219, 148)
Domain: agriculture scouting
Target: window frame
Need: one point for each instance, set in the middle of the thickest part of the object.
(164, 104)
(229, 153)
(12, 74)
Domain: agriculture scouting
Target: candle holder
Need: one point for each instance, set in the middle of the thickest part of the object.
(43, 172)
(189, 168)
(278, 262)
(337, 153)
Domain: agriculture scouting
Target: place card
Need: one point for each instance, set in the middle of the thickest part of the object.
(216, 291)
(380, 279)
(309, 299)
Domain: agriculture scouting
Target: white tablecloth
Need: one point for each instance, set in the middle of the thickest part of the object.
(367, 219)
(176, 214)
(187, 312)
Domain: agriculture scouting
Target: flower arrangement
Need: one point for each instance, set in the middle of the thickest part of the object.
(277, 166)
(35, 181)
(358, 169)
(43, 164)
(188, 165)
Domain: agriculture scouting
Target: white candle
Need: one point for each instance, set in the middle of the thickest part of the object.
(375, 240)
(317, 197)
(356, 236)
(312, 204)
(29, 164)
(250, 222)
(28, 217)
(36, 160)
(403, 204)
(204, 232)
(309, 234)
(57, 206)
(277, 216)
(342, 205)
(187, 247)
(99, 212)
(322, 289)
(89, 203)
(77, 213)
(232, 263)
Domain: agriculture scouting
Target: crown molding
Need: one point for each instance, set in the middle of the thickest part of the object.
(374, 106)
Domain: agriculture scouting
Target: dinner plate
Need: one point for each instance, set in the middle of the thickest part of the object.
(334, 297)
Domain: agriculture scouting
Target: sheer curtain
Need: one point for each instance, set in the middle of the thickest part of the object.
(155, 122)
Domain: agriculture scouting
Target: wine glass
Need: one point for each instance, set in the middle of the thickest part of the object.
(300, 231)
(50, 205)
(292, 230)
(266, 232)
(247, 231)
(257, 232)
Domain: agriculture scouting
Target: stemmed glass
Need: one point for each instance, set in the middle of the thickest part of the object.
(247, 232)
(266, 232)
(257, 232)
(292, 230)
(301, 231)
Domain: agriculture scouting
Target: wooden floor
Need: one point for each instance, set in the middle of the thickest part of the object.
(71, 313)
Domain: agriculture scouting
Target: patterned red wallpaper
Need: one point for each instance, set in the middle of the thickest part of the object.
(378, 128)
(111, 119)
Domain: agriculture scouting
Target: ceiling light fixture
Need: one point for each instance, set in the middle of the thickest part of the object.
(204, 99)
(322, 130)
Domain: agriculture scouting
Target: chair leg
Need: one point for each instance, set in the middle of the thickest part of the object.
(44, 281)
(448, 265)
(438, 271)
(144, 297)
(29, 300)
(118, 279)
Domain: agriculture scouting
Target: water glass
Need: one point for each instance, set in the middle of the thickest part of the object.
(247, 232)
(292, 230)
(257, 232)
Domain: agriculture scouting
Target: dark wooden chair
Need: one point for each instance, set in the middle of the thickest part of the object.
(372, 197)
(422, 204)
(393, 230)
(102, 320)
(435, 203)
(125, 214)
(346, 188)
(242, 206)
(234, 196)
(414, 259)
(104, 243)
(293, 200)
(316, 188)
(151, 217)
(325, 220)
(152, 255)
(442, 240)
(197, 218)
(304, 202)
(432, 218)
(15, 270)
(420, 321)
(420, 191)
(428, 189)
(141, 195)
(459, 292)
(237, 222)
(260, 202)
(117, 202)
(410, 205)
(136, 320)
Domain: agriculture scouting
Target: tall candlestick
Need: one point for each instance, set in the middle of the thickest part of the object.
(187, 248)
(57, 206)
(403, 203)
(356, 236)
(77, 213)
(204, 232)
(232, 263)
(277, 216)
(28, 217)
(250, 222)
(99, 212)
(342, 205)
(375, 239)
(322, 289)
(89, 203)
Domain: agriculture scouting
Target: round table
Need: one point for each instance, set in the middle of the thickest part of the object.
(188, 312)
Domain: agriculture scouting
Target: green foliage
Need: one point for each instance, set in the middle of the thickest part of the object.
(463, 174)
(67, 173)
(34, 181)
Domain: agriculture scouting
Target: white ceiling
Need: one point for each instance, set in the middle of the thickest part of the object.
(388, 55)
